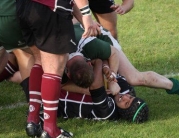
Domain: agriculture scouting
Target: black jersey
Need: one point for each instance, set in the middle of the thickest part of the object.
(76, 105)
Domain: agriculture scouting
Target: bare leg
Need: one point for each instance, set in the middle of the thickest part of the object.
(25, 62)
(108, 21)
(114, 59)
(113, 62)
(53, 66)
(136, 78)
(16, 78)
(35, 86)
(36, 55)
(8, 65)
(52, 63)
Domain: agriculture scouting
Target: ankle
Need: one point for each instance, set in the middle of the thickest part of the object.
(34, 119)
(175, 88)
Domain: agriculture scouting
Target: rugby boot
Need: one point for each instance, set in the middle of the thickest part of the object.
(33, 130)
(64, 134)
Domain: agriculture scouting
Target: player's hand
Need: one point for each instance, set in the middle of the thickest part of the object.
(118, 9)
(113, 87)
(109, 74)
(91, 27)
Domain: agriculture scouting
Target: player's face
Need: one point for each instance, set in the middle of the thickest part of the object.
(123, 100)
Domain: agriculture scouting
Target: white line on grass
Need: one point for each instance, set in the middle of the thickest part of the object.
(20, 104)
(171, 75)
(12, 106)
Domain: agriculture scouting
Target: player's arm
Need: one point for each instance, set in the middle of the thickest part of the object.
(127, 5)
(91, 27)
(71, 87)
(98, 79)
(77, 14)
(112, 86)
(123, 8)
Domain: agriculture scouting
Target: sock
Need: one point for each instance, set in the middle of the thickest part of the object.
(175, 88)
(8, 71)
(51, 86)
(25, 86)
(35, 93)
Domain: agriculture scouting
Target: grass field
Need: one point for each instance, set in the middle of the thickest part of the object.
(149, 35)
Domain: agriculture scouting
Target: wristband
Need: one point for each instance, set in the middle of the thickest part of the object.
(85, 10)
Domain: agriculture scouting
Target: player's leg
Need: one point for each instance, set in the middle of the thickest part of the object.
(3, 58)
(53, 66)
(25, 62)
(8, 65)
(104, 14)
(148, 78)
(108, 21)
(33, 128)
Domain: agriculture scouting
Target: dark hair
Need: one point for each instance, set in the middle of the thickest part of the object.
(81, 74)
(138, 111)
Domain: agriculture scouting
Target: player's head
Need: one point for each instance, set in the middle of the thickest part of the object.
(80, 72)
(132, 108)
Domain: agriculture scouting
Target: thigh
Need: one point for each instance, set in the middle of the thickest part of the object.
(108, 21)
(36, 54)
(25, 62)
(126, 69)
(53, 63)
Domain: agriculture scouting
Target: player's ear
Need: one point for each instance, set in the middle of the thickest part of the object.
(68, 74)
(89, 63)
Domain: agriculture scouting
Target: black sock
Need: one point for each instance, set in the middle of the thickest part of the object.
(25, 86)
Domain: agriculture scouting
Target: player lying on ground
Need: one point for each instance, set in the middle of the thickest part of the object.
(100, 105)
(100, 47)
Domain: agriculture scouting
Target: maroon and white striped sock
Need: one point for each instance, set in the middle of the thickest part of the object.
(8, 71)
(35, 99)
(51, 86)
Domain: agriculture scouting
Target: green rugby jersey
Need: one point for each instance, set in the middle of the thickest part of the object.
(7, 8)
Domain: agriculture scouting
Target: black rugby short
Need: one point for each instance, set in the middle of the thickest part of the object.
(101, 6)
(49, 31)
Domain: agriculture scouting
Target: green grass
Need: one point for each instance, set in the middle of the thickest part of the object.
(149, 35)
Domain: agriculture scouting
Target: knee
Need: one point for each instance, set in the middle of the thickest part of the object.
(142, 78)
(146, 78)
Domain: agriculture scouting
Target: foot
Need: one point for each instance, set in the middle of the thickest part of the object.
(33, 129)
(64, 134)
